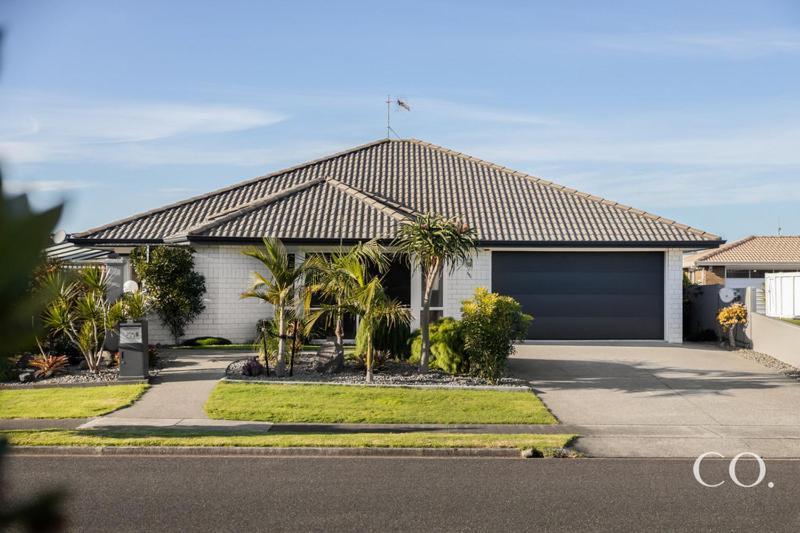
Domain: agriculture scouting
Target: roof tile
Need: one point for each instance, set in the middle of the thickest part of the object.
(371, 188)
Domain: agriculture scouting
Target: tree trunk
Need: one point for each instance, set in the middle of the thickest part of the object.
(732, 337)
(369, 359)
(338, 362)
(264, 345)
(280, 365)
(424, 325)
(294, 347)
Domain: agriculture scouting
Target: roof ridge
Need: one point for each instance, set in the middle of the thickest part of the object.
(562, 188)
(228, 188)
(369, 199)
(236, 212)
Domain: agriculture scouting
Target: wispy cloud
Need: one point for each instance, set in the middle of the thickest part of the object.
(37, 186)
(755, 146)
(741, 44)
(36, 130)
(475, 113)
(676, 166)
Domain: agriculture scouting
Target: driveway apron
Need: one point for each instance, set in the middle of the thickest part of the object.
(662, 400)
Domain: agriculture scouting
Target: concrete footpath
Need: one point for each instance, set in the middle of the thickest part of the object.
(177, 397)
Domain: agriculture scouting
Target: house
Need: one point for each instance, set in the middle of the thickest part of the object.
(583, 266)
(743, 263)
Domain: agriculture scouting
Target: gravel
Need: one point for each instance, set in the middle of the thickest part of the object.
(74, 375)
(770, 362)
(390, 373)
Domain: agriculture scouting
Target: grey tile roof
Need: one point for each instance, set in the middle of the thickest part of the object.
(367, 191)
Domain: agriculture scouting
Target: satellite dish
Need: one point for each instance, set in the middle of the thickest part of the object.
(726, 294)
(59, 236)
(130, 286)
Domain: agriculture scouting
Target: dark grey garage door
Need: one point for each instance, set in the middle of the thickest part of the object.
(582, 295)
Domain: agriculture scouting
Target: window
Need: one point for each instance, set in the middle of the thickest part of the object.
(737, 273)
(437, 298)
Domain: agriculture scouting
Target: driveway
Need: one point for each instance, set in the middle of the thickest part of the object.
(661, 400)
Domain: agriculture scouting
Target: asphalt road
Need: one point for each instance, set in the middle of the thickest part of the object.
(398, 494)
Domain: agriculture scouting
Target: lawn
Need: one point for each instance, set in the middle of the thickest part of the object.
(795, 321)
(150, 437)
(377, 405)
(67, 402)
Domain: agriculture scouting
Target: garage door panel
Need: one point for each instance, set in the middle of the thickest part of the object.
(581, 295)
(575, 328)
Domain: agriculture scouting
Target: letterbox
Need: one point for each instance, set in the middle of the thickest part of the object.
(134, 359)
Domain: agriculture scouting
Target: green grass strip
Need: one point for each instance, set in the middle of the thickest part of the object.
(150, 437)
(67, 402)
(376, 405)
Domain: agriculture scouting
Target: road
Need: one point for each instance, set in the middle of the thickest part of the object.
(403, 494)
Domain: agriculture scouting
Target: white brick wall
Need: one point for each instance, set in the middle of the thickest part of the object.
(461, 285)
(673, 296)
(458, 287)
(228, 273)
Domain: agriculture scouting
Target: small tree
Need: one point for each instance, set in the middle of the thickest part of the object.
(730, 318)
(282, 288)
(171, 283)
(490, 323)
(376, 309)
(434, 243)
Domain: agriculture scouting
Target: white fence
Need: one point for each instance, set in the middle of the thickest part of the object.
(783, 294)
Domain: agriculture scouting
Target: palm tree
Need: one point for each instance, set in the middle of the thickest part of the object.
(433, 243)
(375, 309)
(282, 288)
(331, 276)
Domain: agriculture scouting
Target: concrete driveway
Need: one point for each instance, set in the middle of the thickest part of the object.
(660, 400)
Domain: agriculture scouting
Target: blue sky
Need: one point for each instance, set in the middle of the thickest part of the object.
(686, 109)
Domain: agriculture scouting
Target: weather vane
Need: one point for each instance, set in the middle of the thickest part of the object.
(401, 104)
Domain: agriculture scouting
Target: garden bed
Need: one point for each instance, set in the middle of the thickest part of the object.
(389, 373)
(74, 376)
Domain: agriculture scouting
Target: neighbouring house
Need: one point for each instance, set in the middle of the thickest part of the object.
(583, 266)
(744, 263)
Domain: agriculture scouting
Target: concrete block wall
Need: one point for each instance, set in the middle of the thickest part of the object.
(461, 284)
(228, 273)
(673, 296)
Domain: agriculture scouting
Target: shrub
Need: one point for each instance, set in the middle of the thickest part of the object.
(153, 360)
(388, 341)
(47, 366)
(170, 281)
(732, 316)
(490, 324)
(206, 341)
(9, 367)
(447, 346)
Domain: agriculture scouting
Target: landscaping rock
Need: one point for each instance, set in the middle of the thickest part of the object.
(770, 362)
(73, 375)
(389, 373)
(326, 361)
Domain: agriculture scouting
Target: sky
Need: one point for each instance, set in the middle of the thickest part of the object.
(689, 110)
